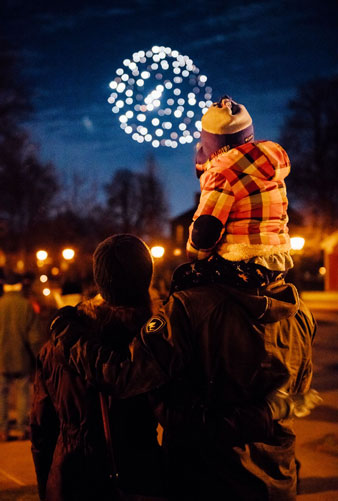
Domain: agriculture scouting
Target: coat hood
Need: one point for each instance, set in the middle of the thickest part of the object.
(279, 301)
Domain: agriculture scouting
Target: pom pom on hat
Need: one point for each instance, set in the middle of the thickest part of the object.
(226, 123)
(123, 268)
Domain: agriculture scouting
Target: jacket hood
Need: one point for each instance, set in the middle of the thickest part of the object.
(261, 159)
(280, 301)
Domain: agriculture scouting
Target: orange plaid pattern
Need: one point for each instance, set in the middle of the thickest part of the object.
(244, 188)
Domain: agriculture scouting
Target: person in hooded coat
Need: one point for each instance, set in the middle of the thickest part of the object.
(67, 433)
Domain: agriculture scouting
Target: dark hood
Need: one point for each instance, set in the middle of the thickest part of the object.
(279, 301)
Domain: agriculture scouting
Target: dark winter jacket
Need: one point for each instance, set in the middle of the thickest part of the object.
(68, 443)
(245, 346)
(223, 349)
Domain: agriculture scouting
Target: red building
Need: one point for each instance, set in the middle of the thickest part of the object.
(330, 246)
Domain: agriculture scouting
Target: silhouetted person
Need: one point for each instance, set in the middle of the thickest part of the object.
(68, 444)
(20, 340)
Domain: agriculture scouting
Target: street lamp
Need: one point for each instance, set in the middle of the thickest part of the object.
(68, 254)
(297, 243)
(157, 251)
(42, 255)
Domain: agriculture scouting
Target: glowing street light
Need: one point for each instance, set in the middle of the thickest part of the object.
(46, 292)
(68, 254)
(42, 255)
(43, 278)
(297, 243)
(157, 251)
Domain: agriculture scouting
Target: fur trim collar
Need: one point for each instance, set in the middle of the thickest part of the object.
(102, 315)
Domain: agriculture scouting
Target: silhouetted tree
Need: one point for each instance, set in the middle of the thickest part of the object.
(15, 104)
(27, 186)
(136, 201)
(79, 195)
(122, 201)
(153, 211)
(310, 135)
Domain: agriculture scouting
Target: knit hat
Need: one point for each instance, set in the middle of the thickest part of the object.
(226, 123)
(123, 268)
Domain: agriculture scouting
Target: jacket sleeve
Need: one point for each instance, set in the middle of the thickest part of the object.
(155, 356)
(122, 374)
(161, 353)
(168, 337)
(307, 331)
(44, 426)
(215, 202)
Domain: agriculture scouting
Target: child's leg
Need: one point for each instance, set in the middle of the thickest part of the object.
(189, 275)
(215, 269)
(255, 276)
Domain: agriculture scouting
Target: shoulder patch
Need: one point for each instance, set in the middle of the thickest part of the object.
(155, 324)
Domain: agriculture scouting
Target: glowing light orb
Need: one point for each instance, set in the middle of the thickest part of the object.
(68, 254)
(162, 91)
(42, 255)
(297, 243)
(157, 251)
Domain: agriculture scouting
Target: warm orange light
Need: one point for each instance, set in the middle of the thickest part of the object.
(43, 278)
(297, 243)
(177, 252)
(46, 291)
(42, 255)
(322, 270)
(68, 254)
(20, 265)
(55, 271)
(157, 251)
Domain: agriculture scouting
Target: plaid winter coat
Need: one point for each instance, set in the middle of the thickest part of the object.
(243, 195)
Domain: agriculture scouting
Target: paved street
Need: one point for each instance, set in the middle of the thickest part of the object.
(317, 435)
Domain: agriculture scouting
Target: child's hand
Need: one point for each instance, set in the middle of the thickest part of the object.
(282, 405)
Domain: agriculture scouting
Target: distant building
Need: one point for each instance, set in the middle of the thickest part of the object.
(330, 246)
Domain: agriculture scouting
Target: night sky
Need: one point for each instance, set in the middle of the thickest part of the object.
(258, 52)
